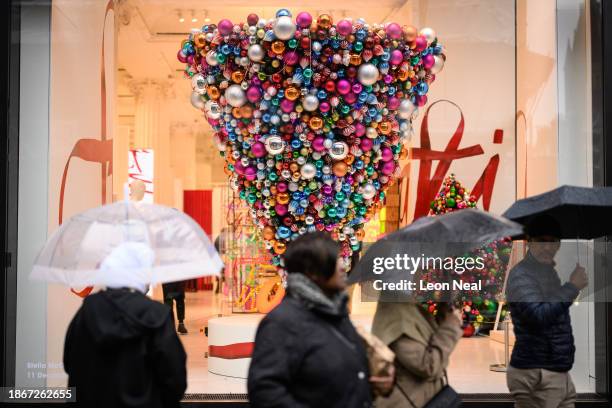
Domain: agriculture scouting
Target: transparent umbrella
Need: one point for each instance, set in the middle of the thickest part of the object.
(74, 253)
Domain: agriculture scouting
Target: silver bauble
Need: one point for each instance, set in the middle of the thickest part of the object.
(198, 84)
(211, 58)
(310, 103)
(371, 133)
(339, 150)
(308, 171)
(406, 109)
(234, 95)
(284, 28)
(197, 101)
(256, 52)
(369, 191)
(438, 65)
(429, 34)
(367, 74)
(274, 145)
(212, 110)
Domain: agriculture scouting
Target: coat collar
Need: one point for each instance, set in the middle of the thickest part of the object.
(303, 289)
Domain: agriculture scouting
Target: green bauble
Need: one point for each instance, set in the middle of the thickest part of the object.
(450, 202)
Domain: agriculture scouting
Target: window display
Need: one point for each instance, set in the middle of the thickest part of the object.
(263, 122)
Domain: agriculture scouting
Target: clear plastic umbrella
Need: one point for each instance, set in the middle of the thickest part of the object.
(74, 253)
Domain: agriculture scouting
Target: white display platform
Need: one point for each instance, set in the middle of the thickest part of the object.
(229, 337)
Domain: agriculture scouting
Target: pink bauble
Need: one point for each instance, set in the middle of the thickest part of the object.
(428, 61)
(280, 209)
(291, 58)
(258, 149)
(286, 105)
(343, 87)
(190, 60)
(252, 19)
(253, 94)
(420, 43)
(386, 154)
(239, 168)
(394, 31)
(327, 189)
(318, 144)
(324, 107)
(396, 57)
(250, 173)
(421, 100)
(303, 19)
(357, 88)
(345, 27)
(350, 98)
(393, 103)
(366, 144)
(181, 57)
(388, 168)
(360, 129)
(281, 187)
(225, 27)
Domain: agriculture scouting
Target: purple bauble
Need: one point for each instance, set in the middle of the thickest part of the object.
(281, 187)
(357, 87)
(344, 27)
(258, 149)
(303, 19)
(225, 27)
(394, 31)
(343, 87)
(428, 61)
(388, 168)
(291, 58)
(327, 189)
(318, 144)
(280, 209)
(396, 57)
(181, 57)
(286, 105)
(253, 94)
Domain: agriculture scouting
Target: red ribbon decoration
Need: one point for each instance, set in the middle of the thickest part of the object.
(232, 351)
(427, 187)
(92, 150)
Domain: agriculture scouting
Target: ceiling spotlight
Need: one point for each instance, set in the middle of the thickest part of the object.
(193, 17)
(181, 19)
(206, 18)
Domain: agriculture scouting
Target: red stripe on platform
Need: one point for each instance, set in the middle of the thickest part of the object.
(232, 351)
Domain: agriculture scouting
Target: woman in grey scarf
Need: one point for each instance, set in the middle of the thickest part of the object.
(307, 352)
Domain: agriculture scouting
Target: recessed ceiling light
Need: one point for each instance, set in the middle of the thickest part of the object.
(207, 20)
(194, 20)
(181, 20)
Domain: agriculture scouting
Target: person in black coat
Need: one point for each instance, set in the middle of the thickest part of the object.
(543, 354)
(121, 349)
(307, 352)
(174, 292)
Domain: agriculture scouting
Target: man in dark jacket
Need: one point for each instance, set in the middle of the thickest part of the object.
(175, 292)
(307, 353)
(121, 349)
(543, 354)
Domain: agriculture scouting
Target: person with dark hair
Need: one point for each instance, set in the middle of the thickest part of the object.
(543, 354)
(307, 352)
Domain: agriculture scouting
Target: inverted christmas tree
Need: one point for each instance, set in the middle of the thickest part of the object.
(479, 307)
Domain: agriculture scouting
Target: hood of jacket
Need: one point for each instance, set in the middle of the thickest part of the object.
(116, 315)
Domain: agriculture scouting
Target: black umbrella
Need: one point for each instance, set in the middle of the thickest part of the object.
(580, 212)
(442, 236)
